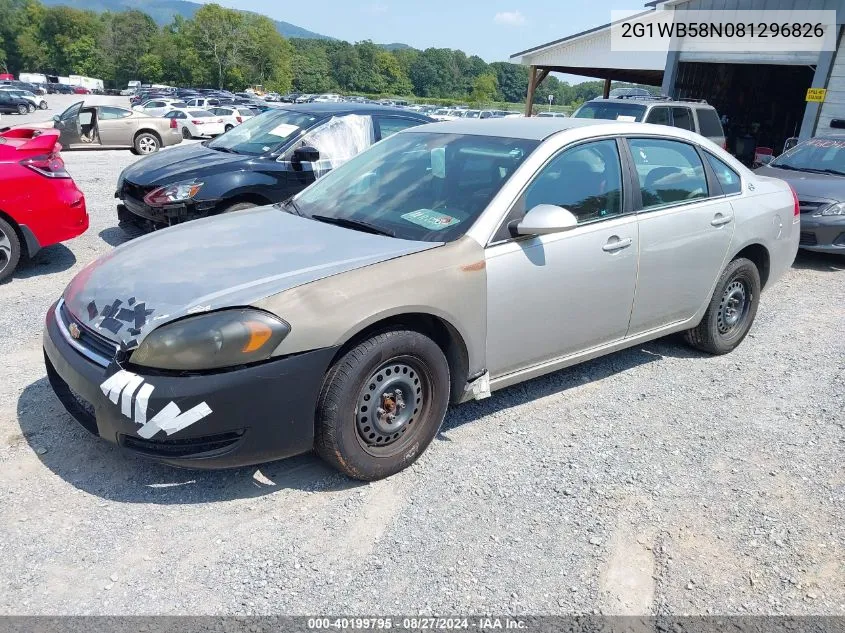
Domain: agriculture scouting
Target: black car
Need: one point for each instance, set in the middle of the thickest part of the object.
(816, 171)
(11, 103)
(264, 160)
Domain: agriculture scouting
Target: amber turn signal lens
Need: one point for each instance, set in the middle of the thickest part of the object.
(259, 334)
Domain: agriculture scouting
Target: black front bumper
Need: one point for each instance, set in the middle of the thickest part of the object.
(823, 234)
(257, 414)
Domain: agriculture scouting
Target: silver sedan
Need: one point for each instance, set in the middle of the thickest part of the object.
(446, 262)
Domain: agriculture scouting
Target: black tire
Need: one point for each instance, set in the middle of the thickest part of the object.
(731, 311)
(22, 109)
(10, 250)
(238, 206)
(186, 134)
(358, 445)
(146, 143)
(227, 128)
(42, 105)
(30, 108)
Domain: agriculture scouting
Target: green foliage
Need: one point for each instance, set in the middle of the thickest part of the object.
(233, 49)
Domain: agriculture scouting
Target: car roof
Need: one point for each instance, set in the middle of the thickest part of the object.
(650, 101)
(535, 128)
(341, 108)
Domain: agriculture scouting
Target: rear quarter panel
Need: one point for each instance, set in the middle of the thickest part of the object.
(766, 216)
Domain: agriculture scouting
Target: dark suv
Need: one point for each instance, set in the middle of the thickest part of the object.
(11, 103)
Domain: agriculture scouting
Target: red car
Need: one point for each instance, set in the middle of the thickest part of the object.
(79, 90)
(40, 204)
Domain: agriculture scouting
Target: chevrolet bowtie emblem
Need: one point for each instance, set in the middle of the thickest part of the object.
(73, 328)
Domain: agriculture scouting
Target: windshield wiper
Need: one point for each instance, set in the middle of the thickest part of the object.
(835, 172)
(221, 149)
(349, 223)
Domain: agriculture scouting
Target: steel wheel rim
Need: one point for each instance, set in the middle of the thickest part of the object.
(734, 306)
(384, 419)
(147, 145)
(5, 251)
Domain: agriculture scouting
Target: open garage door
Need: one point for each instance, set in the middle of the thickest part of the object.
(760, 104)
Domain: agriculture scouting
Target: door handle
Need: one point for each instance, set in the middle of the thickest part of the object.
(721, 220)
(615, 244)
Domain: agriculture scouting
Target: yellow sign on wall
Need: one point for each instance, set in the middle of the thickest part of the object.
(816, 95)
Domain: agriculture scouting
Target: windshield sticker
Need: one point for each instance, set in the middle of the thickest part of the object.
(626, 117)
(283, 130)
(431, 219)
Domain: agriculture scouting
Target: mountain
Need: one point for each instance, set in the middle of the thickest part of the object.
(162, 11)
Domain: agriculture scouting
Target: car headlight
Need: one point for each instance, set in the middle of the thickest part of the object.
(837, 208)
(177, 192)
(210, 341)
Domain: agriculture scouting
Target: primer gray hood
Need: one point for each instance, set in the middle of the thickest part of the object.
(225, 261)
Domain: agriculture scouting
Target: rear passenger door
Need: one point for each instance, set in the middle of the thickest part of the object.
(686, 224)
(386, 126)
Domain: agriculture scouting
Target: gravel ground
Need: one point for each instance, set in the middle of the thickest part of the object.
(653, 481)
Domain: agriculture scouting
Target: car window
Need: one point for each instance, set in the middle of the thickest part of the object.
(178, 104)
(265, 133)
(112, 113)
(418, 185)
(708, 123)
(388, 126)
(682, 118)
(817, 154)
(245, 112)
(612, 110)
(155, 104)
(658, 116)
(586, 180)
(200, 114)
(341, 138)
(668, 171)
(727, 177)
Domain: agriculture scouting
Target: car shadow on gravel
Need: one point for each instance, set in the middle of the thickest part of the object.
(566, 379)
(51, 259)
(115, 235)
(822, 262)
(101, 469)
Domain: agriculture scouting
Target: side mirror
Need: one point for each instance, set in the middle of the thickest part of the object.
(546, 218)
(306, 154)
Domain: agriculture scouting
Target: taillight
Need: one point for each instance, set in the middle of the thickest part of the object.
(197, 122)
(173, 124)
(50, 165)
(239, 119)
(796, 209)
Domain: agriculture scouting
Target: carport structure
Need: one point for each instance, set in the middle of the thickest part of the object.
(588, 53)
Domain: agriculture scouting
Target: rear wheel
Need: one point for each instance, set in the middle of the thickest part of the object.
(186, 133)
(228, 127)
(22, 109)
(731, 311)
(147, 143)
(10, 250)
(381, 404)
(43, 105)
(30, 108)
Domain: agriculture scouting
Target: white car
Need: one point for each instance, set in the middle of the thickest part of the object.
(327, 98)
(158, 107)
(232, 116)
(37, 101)
(203, 103)
(197, 123)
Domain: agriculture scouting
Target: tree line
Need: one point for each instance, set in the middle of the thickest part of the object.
(225, 48)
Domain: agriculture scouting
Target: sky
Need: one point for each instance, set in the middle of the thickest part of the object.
(491, 29)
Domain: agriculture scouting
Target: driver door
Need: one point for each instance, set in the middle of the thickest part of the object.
(68, 125)
(552, 296)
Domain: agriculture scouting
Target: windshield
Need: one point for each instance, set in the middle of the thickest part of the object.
(200, 114)
(417, 185)
(611, 110)
(817, 154)
(264, 133)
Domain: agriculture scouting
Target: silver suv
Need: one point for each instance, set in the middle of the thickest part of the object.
(696, 116)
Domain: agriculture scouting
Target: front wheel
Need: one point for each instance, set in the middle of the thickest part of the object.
(731, 311)
(43, 105)
(22, 109)
(381, 404)
(30, 108)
